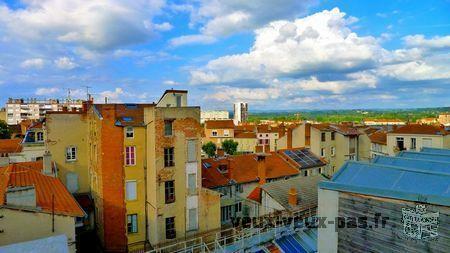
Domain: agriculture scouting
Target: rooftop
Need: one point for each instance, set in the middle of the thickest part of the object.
(379, 137)
(420, 182)
(10, 145)
(219, 124)
(22, 175)
(420, 129)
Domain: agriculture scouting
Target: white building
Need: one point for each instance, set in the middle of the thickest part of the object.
(240, 112)
(213, 115)
(23, 109)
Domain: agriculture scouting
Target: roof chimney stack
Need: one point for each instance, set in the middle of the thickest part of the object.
(261, 160)
(292, 197)
(47, 163)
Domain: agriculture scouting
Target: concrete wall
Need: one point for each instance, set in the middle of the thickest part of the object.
(246, 144)
(364, 143)
(298, 136)
(328, 206)
(64, 130)
(438, 141)
(20, 226)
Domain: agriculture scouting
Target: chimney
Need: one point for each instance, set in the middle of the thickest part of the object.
(220, 152)
(47, 163)
(261, 160)
(289, 138)
(106, 100)
(231, 166)
(23, 196)
(292, 198)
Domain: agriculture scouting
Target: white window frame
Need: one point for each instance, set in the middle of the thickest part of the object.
(129, 130)
(226, 132)
(322, 152)
(214, 133)
(129, 197)
(333, 151)
(128, 155)
(73, 153)
(40, 139)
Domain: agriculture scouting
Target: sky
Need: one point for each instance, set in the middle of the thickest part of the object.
(275, 55)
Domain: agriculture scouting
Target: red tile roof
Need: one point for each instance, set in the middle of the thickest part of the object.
(244, 135)
(19, 175)
(219, 124)
(421, 129)
(244, 169)
(10, 145)
(379, 137)
(255, 195)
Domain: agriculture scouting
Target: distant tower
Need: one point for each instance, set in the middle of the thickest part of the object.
(240, 112)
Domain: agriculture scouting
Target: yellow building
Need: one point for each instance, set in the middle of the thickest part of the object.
(67, 142)
(145, 173)
(246, 142)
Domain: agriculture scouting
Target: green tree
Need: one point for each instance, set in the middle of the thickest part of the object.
(230, 146)
(4, 130)
(210, 149)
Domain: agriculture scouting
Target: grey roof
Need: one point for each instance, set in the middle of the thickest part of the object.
(423, 164)
(392, 182)
(436, 151)
(306, 191)
(425, 156)
(52, 244)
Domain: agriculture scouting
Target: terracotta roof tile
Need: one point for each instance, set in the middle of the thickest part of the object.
(10, 145)
(421, 129)
(16, 175)
(379, 137)
(245, 135)
(255, 195)
(219, 124)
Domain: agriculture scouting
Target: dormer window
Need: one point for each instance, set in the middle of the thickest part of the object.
(129, 132)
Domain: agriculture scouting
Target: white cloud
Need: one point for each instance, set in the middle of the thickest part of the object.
(318, 43)
(166, 26)
(225, 17)
(437, 42)
(118, 95)
(46, 91)
(36, 63)
(171, 82)
(416, 71)
(65, 63)
(192, 39)
(96, 25)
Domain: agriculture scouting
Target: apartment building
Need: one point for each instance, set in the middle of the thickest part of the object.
(416, 136)
(239, 178)
(444, 119)
(35, 205)
(35, 109)
(336, 143)
(240, 112)
(383, 122)
(401, 204)
(145, 173)
(213, 115)
(33, 144)
(217, 131)
(378, 144)
(3, 114)
(267, 136)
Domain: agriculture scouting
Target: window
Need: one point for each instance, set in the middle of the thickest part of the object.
(427, 142)
(225, 213)
(332, 136)
(168, 157)
(129, 132)
(178, 101)
(170, 228)
(413, 143)
(238, 207)
(239, 188)
(320, 170)
(71, 153)
(193, 220)
(130, 155)
(40, 137)
(170, 191)
(323, 137)
(322, 152)
(192, 183)
(400, 143)
(132, 226)
(305, 173)
(192, 150)
(168, 127)
(214, 132)
(333, 151)
(131, 190)
(226, 132)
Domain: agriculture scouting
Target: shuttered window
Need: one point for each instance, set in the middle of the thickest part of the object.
(192, 150)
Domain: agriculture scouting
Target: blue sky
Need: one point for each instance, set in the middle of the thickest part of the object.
(285, 54)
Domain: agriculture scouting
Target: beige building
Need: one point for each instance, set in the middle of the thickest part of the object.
(217, 131)
(444, 119)
(246, 142)
(415, 137)
(3, 114)
(145, 173)
(378, 144)
(29, 198)
(213, 115)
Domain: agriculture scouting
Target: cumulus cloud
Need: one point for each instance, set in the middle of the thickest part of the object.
(46, 91)
(36, 63)
(171, 82)
(65, 63)
(118, 95)
(96, 25)
(419, 40)
(166, 26)
(318, 43)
